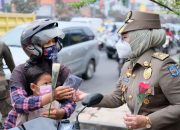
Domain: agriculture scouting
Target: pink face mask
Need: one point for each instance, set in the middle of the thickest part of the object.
(44, 89)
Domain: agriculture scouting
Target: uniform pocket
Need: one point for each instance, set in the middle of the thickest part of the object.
(5, 107)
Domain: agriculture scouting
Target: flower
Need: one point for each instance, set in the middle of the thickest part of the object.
(143, 91)
(143, 87)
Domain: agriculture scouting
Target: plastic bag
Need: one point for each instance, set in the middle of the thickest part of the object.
(73, 81)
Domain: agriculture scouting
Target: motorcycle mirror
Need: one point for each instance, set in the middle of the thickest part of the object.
(92, 99)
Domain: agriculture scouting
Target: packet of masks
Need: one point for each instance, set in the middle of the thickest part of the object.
(73, 81)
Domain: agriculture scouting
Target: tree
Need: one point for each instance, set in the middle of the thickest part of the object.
(169, 5)
(81, 3)
(25, 6)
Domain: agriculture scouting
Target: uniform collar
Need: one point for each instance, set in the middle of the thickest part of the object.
(144, 59)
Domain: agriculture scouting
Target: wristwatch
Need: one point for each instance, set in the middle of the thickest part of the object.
(148, 122)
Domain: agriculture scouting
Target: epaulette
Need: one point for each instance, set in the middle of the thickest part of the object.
(160, 55)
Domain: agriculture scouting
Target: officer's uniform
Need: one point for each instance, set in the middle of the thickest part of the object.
(151, 87)
(5, 102)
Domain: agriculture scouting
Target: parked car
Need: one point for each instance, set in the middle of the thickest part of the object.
(80, 52)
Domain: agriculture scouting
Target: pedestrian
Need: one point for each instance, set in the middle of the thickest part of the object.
(5, 103)
(150, 81)
(41, 42)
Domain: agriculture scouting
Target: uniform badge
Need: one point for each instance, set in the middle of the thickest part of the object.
(122, 99)
(126, 80)
(129, 73)
(123, 88)
(160, 56)
(147, 73)
(149, 91)
(173, 70)
(133, 76)
(146, 64)
(146, 101)
(130, 97)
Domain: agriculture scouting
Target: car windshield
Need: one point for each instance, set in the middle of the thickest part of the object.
(12, 38)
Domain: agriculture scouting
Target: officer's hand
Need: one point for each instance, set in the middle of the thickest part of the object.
(63, 92)
(134, 121)
(54, 113)
(79, 95)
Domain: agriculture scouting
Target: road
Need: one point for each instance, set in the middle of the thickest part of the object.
(104, 80)
(105, 77)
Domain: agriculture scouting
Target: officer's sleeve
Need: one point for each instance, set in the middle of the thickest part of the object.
(8, 57)
(112, 100)
(169, 81)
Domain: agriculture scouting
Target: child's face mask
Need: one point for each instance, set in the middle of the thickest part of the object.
(44, 89)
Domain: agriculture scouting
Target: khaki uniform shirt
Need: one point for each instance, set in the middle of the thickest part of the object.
(5, 102)
(159, 73)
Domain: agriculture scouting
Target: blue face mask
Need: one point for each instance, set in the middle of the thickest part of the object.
(50, 53)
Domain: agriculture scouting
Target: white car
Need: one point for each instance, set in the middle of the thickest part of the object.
(80, 52)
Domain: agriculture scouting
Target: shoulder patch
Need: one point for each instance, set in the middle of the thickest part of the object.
(160, 55)
(173, 69)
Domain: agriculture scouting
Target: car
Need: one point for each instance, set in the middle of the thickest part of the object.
(80, 52)
(94, 23)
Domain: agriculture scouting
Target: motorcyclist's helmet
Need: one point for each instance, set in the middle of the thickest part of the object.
(39, 33)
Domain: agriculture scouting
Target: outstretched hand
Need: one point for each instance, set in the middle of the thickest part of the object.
(79, 95)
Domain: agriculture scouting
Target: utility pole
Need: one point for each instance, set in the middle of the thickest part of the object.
(106, 7)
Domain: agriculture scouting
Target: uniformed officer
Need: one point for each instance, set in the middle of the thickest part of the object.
(150, 80)
(5, 103)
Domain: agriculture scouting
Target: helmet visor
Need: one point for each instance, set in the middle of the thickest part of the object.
(44, 36)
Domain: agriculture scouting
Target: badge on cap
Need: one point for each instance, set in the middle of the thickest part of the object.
(173, 70)
(128, 16)
(121, 29)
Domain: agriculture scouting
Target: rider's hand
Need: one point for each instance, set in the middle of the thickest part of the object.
(55, 113)
(63, 92)
(79, 95)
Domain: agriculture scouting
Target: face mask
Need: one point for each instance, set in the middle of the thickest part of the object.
(123, 49)
(44, 89)
(50, 53)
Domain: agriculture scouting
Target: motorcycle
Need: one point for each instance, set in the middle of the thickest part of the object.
(42, 123)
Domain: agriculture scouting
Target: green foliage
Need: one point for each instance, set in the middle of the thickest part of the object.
(7, 7)
(81, 3)
(25, 6)
(174, 5)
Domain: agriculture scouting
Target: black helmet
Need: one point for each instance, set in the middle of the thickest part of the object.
(39, 33)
